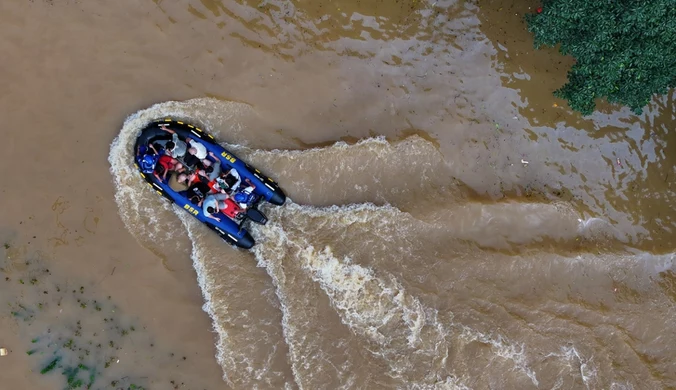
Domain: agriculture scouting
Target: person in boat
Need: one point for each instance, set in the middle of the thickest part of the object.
(232, 179)
(218, 185)
(209, 172)
(176, 147)
(213, 169)
(220, 203)
(146, 158)
(244, 196)
(191, 161)
(166, 164)
(197, 192)
(224, 183)
(153, 149)
(197, 149)
(196, 157)
(197, 176)
(178, 181)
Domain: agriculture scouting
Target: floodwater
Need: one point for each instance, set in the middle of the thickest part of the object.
(450, 225)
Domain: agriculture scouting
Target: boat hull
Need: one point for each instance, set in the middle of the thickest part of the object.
(229, 230)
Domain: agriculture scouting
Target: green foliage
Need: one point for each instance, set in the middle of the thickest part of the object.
(625, 50)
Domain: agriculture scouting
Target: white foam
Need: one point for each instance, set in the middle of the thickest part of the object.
(369, 170)
(222, 345)
(448, 383)
(516, 352)
(595, 227)
(621, 386)
(402, 331)
(237, 346)
(273, 267)
(577, 363)
(364, 315)
(380, 309)
(408, 336)
(351, 288)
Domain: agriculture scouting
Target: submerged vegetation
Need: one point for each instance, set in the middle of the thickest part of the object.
(85, 342)
(625, 50)
(81, 340)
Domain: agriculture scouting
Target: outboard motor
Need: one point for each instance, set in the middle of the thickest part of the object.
(256, 216)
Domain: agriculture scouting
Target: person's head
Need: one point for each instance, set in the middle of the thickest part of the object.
(192, 151)
(207, 163)
(182, 177)
(170, 146)
(209, 169)
(211, 210)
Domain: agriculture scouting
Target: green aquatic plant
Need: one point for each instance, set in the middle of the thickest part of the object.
(625, 50)
(75, 335)
(52, 365)
(74, 349)
(71, 351)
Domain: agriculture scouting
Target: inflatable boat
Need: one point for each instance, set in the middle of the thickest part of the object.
(253, 187)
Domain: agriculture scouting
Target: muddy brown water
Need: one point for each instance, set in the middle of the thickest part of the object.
(450, 223)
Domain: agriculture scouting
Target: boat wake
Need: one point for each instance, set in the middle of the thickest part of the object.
(397, 276)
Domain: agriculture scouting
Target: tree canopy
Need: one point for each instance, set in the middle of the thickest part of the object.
(625, 50)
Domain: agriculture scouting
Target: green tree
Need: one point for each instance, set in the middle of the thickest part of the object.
(625, 50)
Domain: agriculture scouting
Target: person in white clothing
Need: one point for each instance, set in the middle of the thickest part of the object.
(235, 175)
(197, 149)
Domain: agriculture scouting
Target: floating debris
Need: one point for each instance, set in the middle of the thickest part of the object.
(3, 352)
